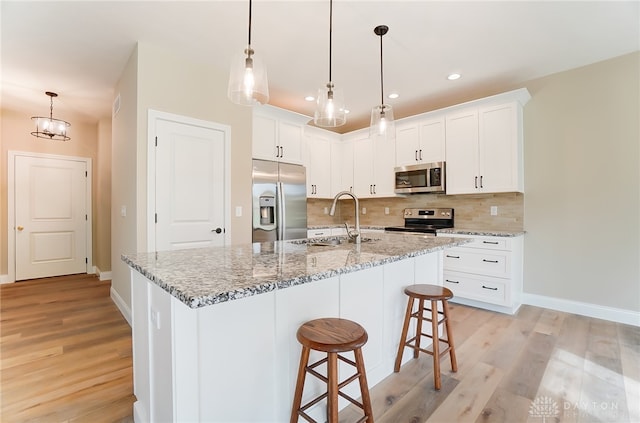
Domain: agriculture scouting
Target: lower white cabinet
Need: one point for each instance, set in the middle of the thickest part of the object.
(237, 361)
(486, 272)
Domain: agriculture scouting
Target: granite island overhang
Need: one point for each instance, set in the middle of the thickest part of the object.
(214, 329)
(205, 276)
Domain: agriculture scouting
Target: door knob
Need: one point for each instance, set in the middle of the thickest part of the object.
(20, 228)
(217, 230)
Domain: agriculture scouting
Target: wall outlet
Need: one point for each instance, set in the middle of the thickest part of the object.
(494, 210)
(364, 210)
(326, 210)
(123, 211)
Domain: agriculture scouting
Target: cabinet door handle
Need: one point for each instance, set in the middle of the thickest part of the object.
(456, 257)
(488, 287)
(281, 151)
(351, 189)
(374, 188)
(490, 242)
(489, 261)
(416, 154)
(450, 281)
(277, 151)
(481, 182)
(476, 182)
(370, 189)
(420, 154)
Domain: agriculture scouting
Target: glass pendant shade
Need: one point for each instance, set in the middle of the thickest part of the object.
(50, 128)
(330, 109)
(382, 122)
(248, 80)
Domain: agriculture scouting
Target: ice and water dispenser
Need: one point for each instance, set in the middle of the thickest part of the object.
(267, 209)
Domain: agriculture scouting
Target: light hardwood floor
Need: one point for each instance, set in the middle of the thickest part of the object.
(65, 352)
(65, 355)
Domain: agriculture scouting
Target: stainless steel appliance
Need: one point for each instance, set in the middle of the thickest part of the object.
(420, 178)
(279, 201)
(424, 221)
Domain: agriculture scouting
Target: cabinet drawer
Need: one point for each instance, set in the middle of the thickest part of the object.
(479, 288)
(490, 243)
(495, 263)
(313, 233)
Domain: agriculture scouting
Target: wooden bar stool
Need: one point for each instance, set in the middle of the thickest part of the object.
(333, 336)
(433, 294)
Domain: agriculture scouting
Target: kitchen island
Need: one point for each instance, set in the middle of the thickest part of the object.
(214, 329)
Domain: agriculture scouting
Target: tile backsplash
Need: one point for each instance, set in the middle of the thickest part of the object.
(471, 211)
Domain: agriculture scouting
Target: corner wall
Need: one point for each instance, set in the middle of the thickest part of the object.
(582, 208)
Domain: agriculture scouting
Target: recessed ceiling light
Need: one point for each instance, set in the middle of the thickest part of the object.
(309, 98)
(394, 95)
(453, 76)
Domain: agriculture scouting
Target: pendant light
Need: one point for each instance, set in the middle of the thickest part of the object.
(382, 116)
(50, 128)
(248, 77)
(330, 109)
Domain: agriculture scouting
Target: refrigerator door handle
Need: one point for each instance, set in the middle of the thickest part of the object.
(280, 210)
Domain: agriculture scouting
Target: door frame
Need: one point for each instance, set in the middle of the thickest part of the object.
(11, 207)
(152, 117)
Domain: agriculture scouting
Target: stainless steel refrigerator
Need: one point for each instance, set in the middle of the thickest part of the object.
(279, 201)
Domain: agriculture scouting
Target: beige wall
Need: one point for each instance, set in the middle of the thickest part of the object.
(164, 81)
(582, 162)
(102, 207)
(16, 135)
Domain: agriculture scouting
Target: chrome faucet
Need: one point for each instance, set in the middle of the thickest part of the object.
(355, 235)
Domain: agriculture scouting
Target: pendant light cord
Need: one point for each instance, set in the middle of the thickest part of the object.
(330, 33)
(51, 109)
(381, 77)
(249, 23)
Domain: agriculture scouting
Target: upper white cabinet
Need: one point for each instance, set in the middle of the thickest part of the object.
(341, 166)
(318, 162)
(420, 141)
(484, 146)
(277, 135)
(373, 166)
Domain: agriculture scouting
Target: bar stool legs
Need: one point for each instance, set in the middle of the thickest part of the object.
(332, 336)
(433, 294)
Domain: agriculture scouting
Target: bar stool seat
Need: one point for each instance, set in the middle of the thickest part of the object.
(332, 336)
(432, 294)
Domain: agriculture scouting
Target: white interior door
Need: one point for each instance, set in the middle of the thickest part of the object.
(50, 217)
(189, 186)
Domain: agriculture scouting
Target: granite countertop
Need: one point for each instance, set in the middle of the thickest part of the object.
(206, 276)
(481, 232)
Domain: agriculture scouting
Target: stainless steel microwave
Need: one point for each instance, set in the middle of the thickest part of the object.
(420, 178)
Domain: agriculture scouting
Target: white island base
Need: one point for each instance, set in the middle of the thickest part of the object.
(237, 361)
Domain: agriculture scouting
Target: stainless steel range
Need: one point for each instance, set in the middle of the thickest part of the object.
(424, 221)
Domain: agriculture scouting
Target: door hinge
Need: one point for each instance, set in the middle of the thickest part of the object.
(86, 217)
(156, 217)
(86, 260)
(86, 174)
(156, 141)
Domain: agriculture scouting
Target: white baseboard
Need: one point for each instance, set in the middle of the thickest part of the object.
(122, 306)
(104, 276)
(627, 317)
(5, 279)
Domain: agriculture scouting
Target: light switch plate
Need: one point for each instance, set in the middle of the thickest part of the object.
(494, 210)
(238, 211)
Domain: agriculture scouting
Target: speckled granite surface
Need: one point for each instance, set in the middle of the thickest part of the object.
(206, 276)
(461, 231)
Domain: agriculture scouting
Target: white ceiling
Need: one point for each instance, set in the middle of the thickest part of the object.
(79, 48)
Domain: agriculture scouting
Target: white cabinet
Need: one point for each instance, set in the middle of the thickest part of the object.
(277, 135)
(341, 166)
(318, 163)
(373, 167)
(487, 272)
(420, 141)
(316, 233)
(484, 148)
